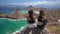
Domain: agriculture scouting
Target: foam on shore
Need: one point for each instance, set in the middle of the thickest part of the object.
(36, 12)
(21, 29)
(14, 19)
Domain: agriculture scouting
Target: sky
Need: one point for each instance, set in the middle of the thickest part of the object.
(29, 2)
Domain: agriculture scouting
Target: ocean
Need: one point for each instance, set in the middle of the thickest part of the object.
(9, 26)
(5, 10)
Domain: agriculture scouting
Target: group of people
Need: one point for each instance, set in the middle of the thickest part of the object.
(42, 19)
(31, 19)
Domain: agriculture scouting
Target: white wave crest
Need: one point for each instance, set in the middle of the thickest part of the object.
(36, 12)
(22, 28)
(14, 19)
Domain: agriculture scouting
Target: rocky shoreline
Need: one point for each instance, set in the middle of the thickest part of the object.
(16, 15)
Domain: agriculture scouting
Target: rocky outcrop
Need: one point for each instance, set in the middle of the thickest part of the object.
(16, 15)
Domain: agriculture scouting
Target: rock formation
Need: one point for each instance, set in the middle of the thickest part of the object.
(16, 15)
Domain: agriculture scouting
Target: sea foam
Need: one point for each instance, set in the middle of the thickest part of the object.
(13, 19)
(21, 29)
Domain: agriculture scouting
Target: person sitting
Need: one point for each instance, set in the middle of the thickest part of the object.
(42, 19)
(31, 19)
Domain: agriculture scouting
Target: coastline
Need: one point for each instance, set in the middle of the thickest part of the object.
(9, 24)
(19, 30)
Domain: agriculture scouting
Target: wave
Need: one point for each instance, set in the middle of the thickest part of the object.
(14, 19)
(36, 12)
(24, 27)
(21, 29)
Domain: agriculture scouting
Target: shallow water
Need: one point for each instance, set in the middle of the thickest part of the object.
(7, 26)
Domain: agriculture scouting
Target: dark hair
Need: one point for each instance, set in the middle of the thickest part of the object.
(41, 13)
(17, 9)
(30, 14)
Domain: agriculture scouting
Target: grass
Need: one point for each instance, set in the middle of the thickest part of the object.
(54, 28)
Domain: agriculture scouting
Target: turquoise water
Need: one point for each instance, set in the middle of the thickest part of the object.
(26, 12)
(8, 26)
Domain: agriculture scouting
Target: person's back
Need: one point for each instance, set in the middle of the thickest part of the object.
(31, 19)
(41, 19)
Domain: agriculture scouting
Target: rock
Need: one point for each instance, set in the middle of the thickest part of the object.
(59, 20)
(18, 33)
(44, 31)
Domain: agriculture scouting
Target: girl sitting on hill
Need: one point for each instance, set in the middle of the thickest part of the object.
(42, 19)
(31, 19)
